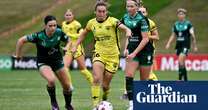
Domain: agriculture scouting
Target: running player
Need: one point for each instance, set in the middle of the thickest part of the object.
(106, 53)
(49, 59)
(72, 28)
(138, 50)
(182, 32)
(153, 35)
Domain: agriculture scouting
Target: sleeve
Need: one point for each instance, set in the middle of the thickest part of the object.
(64, 37)
(32, 37)
(144, 25)
(115, 22)
(174, 28)
(89, 25)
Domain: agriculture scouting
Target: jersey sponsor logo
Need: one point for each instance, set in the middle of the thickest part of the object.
(52, 51)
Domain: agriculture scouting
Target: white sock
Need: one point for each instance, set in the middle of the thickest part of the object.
(131, 103)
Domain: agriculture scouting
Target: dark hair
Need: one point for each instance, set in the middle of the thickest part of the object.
(101, 3)
(49, 18)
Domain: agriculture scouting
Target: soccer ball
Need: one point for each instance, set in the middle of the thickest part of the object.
(104, 105)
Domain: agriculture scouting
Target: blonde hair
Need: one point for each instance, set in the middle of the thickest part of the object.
(181, 10)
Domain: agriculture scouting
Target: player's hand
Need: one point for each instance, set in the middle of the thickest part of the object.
(167, 46)
(74, 49)
(131, 56)
(195, 49)
(128, 34)
(126, 52)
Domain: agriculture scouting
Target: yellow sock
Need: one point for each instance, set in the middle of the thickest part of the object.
(87, 75)
(95, 95)
(152, 76)
(70, 79)
(105, 94)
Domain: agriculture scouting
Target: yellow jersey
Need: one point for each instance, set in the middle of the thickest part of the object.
(72, 29)
(152, 28)
(105, 36)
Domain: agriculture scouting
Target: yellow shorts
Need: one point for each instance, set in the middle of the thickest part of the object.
(78, 53)
(111, 62)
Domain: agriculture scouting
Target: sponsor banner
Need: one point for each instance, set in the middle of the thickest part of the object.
(170, 95)
(25, 63)
(169, 62)
(162, 62)
(5, 63)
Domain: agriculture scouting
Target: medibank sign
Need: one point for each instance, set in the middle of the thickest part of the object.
(195, 62)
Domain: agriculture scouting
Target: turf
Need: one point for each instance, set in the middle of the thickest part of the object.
(25, 90)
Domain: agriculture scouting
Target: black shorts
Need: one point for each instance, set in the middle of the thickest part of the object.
(183, 50)
(55, 65)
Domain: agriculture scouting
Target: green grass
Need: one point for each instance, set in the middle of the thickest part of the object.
(25, 90)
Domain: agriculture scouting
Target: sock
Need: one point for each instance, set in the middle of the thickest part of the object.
(87, 75)
(129, 87)
(67, 97)
(180, 73)
(152, 76)
(95, 95)
(105, 94)
(52, 94)
(184, 72)
(70, 80)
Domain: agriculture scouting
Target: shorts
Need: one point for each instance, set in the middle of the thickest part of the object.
(111, 62)
(55, 65)
(183, 51)
(144, 59)
(78, 53)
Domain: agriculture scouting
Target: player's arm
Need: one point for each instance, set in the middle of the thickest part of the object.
(154, 35)
(82, 36)
(125, 47)
(145, 40)
(21, 41)
(193, 39)
(172, 37)
(125, 29)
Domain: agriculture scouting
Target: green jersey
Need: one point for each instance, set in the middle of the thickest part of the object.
(137, 24)
(48, 48)
(182, 31)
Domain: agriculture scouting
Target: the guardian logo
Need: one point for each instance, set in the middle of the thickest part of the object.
(164, 94)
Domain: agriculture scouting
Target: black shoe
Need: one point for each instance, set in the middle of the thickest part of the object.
(55, 106)
(70, 107)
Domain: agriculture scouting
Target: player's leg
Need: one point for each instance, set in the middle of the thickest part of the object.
(83, 69)
(111, 66)
(98, 70)
(47, 73)
(68, 58)
(107, 77)
(144, 72)
(182, 67)
(152, 75)
(65, 82)
(131, 67)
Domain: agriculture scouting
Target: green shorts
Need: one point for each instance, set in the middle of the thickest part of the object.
(183, 50)
(144, 59)
(55, 65)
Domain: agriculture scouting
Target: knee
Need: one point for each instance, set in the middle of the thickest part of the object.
(51, 82)
(96, 80)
